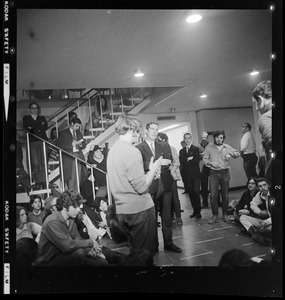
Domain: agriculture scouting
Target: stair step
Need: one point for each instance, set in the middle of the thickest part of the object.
(127, 106)
(22, 198)
(97, 129)
(43, 191)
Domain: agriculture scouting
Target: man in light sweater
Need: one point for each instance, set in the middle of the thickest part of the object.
(129, 190)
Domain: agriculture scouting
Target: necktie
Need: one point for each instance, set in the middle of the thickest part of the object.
(152, 148)
(187, 149)
(74, 135)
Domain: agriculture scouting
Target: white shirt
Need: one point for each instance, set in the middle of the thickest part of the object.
(151, 145)
(247, 143)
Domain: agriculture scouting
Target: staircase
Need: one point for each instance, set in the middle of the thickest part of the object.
(119, 101)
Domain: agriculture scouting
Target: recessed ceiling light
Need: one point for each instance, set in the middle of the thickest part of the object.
(139, 73)
(203, 95)
(254, 72)
(194, 18)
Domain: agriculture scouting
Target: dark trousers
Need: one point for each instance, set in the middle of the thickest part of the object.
(164, 202)
(166, 218)
(220, 178)
(175, 206)
(141, 230)
(117, 232)
(38, 161)
(205, 173)
(249, 165)
(193, 188)
(78, 257)
(183, 176)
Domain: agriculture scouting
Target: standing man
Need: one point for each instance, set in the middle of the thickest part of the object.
(71, 140)
(161, 187)
(129, 189)
(37, 125)
(189, 158)
(217, 158)
(205, 173)
(262, 97)
(247, 151)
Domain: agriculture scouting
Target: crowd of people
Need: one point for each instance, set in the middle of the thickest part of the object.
(142, 175)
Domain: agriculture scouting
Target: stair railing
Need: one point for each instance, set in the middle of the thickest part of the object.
(46, 145)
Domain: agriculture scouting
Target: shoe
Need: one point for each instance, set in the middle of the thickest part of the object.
(184, 193)
(198, 216)
(226, 219)
(204, 206)
(181, 210)
(261, 239)
(158, 224)
(193, 215)
(251, 230)
(214, 219)
(179, 222)
(243, 230)
(172, 248)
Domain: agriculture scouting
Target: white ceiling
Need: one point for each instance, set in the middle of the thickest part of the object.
(65, 48)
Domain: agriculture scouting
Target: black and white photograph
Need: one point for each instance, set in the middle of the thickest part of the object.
(146, 140)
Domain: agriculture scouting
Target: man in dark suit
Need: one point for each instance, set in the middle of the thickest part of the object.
(160, 189)
(71, 140)
(37, 125)
(189, 158)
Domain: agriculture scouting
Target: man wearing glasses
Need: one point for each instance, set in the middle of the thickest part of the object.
(37, 126)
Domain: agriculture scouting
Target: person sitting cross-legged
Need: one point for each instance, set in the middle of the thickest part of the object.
(243, 206)
(259, 227)
(60, 243)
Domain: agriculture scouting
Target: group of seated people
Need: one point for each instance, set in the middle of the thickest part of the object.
(66, 231)
(253, 210)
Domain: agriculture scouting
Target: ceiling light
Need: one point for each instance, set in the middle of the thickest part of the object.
(139, 73)
(203, 95)
(194, 18)
(254, 72)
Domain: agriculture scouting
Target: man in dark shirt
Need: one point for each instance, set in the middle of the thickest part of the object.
(37, 125)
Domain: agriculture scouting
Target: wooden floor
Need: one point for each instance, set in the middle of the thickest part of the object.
(202, 244)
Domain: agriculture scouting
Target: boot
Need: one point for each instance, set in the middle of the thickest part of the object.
(251, 231)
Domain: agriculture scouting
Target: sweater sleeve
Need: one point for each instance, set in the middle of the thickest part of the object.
(64, 241)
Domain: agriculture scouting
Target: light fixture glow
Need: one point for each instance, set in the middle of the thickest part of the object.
(139, 73)
(203, 95)
(194, 18)
(168, 127)
(254, 72)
